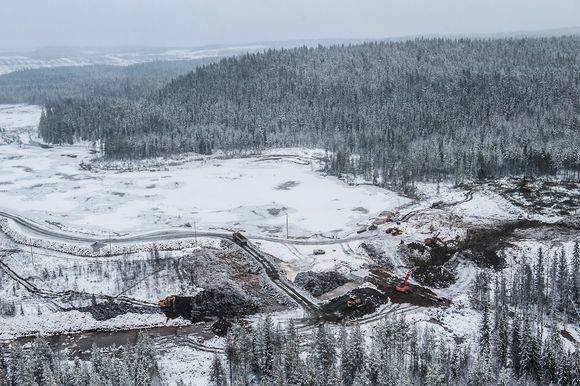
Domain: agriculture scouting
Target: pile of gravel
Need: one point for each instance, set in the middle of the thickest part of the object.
(318, 283)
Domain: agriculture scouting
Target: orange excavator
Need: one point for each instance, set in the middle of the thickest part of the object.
(436, 241)
(404, 286)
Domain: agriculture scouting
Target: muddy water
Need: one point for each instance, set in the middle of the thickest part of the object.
(80, 344)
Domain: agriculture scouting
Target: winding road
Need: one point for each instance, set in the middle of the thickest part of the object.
(43, 232)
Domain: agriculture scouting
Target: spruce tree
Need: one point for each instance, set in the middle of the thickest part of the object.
(485, 330)
(324, 355)
(352, 356)
(502, 337)
(575, 276)
(217, 374)
(292, 354)
(516, 346)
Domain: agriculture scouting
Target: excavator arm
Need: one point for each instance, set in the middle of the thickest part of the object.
(404, 286)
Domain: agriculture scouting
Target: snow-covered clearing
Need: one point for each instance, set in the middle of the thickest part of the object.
(253, 194)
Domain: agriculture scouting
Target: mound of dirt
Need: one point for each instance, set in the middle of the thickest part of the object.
(434, 276)
(109, 310)
(221, 327)
(378, 255)
(481, 245)
(223, 301)
(419, 296)
(318, 283)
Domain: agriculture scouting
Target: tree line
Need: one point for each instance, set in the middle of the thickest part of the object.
(393, 112)
(40, 365)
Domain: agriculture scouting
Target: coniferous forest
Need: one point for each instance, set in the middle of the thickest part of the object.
(391, 112)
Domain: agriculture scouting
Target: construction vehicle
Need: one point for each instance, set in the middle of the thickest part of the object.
(394, 231)
(354, 301)
(404, 286)
(175, 306)
(436, 241)
(240, 239)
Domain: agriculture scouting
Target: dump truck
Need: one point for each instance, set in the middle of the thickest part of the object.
(240, 239)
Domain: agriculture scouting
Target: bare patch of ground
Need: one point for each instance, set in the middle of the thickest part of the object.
(287, 185)
(419, 296)
(276, 211)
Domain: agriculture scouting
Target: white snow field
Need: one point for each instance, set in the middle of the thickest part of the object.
(252, 194)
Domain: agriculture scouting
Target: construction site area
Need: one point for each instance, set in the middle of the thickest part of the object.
(214, 280)
(355, 256)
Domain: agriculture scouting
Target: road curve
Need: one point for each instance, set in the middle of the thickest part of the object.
(39, 230)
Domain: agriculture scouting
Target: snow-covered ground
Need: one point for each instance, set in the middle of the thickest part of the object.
(252, 194)
(346, 258)
(18, 123)
(256, 194)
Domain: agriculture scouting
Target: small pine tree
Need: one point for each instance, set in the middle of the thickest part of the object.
(292, 354)
(501, 342)
(217, 375)
(516, 342)
(485, 330)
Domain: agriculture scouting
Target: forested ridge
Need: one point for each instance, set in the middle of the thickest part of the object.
(38, 86)
(393, 112)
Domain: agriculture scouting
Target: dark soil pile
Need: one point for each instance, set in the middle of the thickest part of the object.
(318, 283)
(338, 309)
(419, 296)
(378, 255)
(221, 327)
(434, 276)
(223, 302)
(109, 310)
(481, 245)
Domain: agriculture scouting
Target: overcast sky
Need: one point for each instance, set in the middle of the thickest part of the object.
(37, 23)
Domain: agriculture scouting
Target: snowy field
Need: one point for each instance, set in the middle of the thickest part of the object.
(253, 194)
